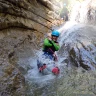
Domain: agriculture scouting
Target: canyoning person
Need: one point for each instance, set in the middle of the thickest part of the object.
(50, 45)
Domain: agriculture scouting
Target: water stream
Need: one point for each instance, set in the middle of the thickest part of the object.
(39, 84)
(71, 81)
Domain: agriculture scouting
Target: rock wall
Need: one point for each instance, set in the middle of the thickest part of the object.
(22, 25)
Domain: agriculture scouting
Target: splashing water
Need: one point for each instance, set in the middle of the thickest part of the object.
(37, 80)
(63, 85)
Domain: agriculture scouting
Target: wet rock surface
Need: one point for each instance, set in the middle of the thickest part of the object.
(79, 46)
(12, 82)
(76, 82)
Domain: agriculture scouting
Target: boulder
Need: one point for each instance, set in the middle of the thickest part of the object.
(79, 46)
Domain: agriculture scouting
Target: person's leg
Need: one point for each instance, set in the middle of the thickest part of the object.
(39, 64)
(51, 57)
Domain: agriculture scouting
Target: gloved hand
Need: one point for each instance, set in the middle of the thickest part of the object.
(55, 57)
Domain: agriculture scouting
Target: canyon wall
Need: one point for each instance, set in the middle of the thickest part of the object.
(23, 25)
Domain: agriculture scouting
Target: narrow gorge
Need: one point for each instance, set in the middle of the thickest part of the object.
(23, 26)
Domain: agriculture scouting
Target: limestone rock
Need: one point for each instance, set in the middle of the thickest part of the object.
(23, 25)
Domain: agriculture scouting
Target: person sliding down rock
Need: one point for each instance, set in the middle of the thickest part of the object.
(49, 47)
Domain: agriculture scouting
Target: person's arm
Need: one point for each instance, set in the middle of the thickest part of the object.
(47, 43)
(56, 45)
(50, 43)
